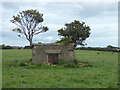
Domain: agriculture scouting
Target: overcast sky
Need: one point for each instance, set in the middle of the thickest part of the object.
(102, 17)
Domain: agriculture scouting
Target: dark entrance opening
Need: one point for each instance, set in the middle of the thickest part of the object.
(52, 58)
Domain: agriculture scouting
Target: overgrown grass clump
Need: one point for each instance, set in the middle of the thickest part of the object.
(62, 63)
(71, 63)
(66, 63)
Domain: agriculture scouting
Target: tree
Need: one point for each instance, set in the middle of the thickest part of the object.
(74, 32)
(29, 24)
(109, 46)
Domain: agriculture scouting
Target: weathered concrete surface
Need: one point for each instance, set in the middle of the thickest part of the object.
(40, 52)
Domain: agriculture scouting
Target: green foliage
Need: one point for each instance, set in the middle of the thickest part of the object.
(67, 63)
(64, 41)
(29, 24)
(102, 72)
(27, 47)
(74, 32)
(6, 47)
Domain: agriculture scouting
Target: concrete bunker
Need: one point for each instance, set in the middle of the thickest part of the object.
(50, 53)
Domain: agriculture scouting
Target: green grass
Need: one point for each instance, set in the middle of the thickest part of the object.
(101, 71)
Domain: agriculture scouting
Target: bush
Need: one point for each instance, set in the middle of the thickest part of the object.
(75, 61)
(27, 47)
(61, 61)
(67, 63)
(6, 47)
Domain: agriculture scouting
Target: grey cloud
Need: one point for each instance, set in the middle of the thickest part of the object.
(11, 5)
(11, 38)
(96, 9)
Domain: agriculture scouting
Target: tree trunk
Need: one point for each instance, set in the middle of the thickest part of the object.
(30, 41)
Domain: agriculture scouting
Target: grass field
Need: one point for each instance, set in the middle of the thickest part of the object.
(101, 71)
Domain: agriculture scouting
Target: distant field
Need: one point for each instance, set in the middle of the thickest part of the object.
(101, 71)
